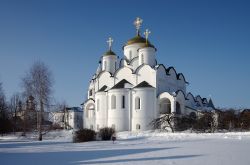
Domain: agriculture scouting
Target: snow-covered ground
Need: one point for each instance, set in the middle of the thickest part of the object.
(131, 148)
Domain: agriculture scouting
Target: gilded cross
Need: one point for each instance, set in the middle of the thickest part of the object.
(138, 23)
(146, 33)
(110, 40)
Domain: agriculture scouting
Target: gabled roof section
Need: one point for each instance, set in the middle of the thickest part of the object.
(122, 84)
(117, 70)
(204, 100)
(191, 96)
(102, 72)
(181, 91)
(162, 65)
(90, 99)
(181, 74)
(169, 68)
(211, 104)
(144, 84)
(103, 89)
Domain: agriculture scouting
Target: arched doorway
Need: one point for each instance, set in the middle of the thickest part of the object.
(165, 106)
(178, 108)
(192, 115)
(90, 110)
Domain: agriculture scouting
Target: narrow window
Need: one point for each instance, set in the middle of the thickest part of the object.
(98, 105)
(97, 127)
(90, 92)
(137, 103)
(130, 55)
(113, 126)
(105, 65)
(123, 101)
(138, 126)
(113, 102)
(142, 58)
(91, 127)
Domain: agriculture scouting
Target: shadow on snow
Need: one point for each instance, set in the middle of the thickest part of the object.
(139, 159)
(81, 157)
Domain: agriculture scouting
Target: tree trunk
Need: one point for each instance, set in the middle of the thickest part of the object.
(40, 138)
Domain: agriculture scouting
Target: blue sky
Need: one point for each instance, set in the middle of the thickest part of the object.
(208, 41)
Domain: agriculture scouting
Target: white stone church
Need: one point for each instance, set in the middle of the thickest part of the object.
(129, 93)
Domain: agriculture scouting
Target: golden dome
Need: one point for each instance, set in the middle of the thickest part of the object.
(139, 39)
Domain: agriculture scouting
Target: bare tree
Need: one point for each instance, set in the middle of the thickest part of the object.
(38, 83)
(14, 106)
(164, 121)
(5, 123)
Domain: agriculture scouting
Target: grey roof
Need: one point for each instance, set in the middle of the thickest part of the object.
(121, 84)
(211, 104)
(144, 84)
(75, 109)
(103, 88)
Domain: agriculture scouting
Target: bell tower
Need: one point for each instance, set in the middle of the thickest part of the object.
(109, 59)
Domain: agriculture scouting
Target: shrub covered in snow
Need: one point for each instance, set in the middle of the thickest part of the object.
(106, 133)
(84, 135)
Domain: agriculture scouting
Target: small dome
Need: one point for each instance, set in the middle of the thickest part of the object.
(139, 39)
(109, 53)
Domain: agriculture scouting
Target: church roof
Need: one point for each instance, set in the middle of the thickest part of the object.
(109, 53)
(122, 84)
(103, 88)
(139, 39)
(211, 104)
(144, 84)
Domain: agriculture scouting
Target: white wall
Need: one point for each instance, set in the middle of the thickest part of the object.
(89, 114)
(147, 56)
(101, 110)
(168, 96)
(146, 73)
(147, 113)
(119, 116)
(125, 73)
(104, 79)
(133, 49)
(109, 63)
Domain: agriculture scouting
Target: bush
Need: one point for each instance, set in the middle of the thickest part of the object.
(56, 126)
(184, 123)
(84, 135)
(106, 133)
(203, 124)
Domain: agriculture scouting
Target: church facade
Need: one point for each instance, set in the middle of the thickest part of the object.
(129, 93)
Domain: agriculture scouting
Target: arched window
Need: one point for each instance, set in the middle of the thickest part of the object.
(165, 106)
(98, 105)
(113, 102)
(123, 101)
(138, 126)
(137, 103)
(90, 92)
(178, 108)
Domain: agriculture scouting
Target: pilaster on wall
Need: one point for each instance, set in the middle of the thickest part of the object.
(173, 105)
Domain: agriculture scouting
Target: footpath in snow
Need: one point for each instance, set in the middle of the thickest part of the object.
(130, 148)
